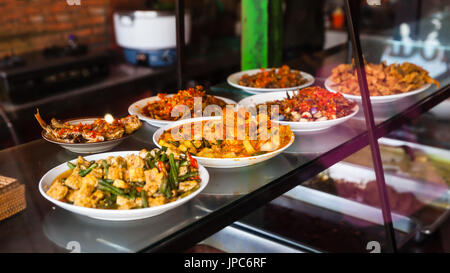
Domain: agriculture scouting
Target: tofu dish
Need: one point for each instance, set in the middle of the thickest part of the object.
(147, 179)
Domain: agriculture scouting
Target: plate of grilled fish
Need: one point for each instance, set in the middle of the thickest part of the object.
(89, 135)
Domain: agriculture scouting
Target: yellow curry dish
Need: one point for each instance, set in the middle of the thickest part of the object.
(147, 179)
(244, 138)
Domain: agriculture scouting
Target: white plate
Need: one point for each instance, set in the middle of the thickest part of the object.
(115, 215)
(295, 126)
(135, 109)
(233, 80)
(377, 99)
(221, 162)
(87, 148)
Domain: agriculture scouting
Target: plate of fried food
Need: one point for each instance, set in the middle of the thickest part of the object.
(122, 186)
(161, 110)
(306, 110)
(386, 83)
(89, 135)
(233, 140)
(256, 81)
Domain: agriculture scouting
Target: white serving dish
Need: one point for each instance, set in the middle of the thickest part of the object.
(135, 109)
(378, 99)
(115, 215)
(221, 162)
(295, 126)
(86, 148)
(233, 80)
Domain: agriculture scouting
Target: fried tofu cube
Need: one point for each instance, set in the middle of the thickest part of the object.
(187, 185)
(136, 174)
(97, 172)
(125, 203)
(97, 196)
(183, 170)
(157, 201)
(144, 153)
(115, 172)
(120, 184)
(83, 162)
(117, 161)
(70, 196)
(84, 201)
(73, 181)
(151, 189)
(135, 161)
(57, 191)
(89, 179)
(152, 177)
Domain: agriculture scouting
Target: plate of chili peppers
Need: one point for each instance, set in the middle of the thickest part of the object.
(308, 109)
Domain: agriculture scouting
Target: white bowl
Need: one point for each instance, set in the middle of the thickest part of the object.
(221, 162)
(378, 99)
(86, 148)
(135, 109)
(109, 214)
(295, 126)
(233, 80)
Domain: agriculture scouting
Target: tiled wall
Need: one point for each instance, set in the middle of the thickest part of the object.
(29, 25)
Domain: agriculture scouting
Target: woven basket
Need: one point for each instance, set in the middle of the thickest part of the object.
(12, 197)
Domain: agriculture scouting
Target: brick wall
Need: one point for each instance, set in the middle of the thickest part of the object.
(29, 25)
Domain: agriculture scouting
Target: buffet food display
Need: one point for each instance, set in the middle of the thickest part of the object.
(237, 137)
(382, 79)
(149, 179)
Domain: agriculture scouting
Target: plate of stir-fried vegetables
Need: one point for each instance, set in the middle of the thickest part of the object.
(217, 148)
(160, 110)
(124, 185)
(256, 81)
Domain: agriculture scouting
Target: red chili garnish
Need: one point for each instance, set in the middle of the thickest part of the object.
(160, 166)
(193, 161)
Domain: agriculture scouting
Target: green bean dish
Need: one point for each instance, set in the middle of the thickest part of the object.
(148, 179)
